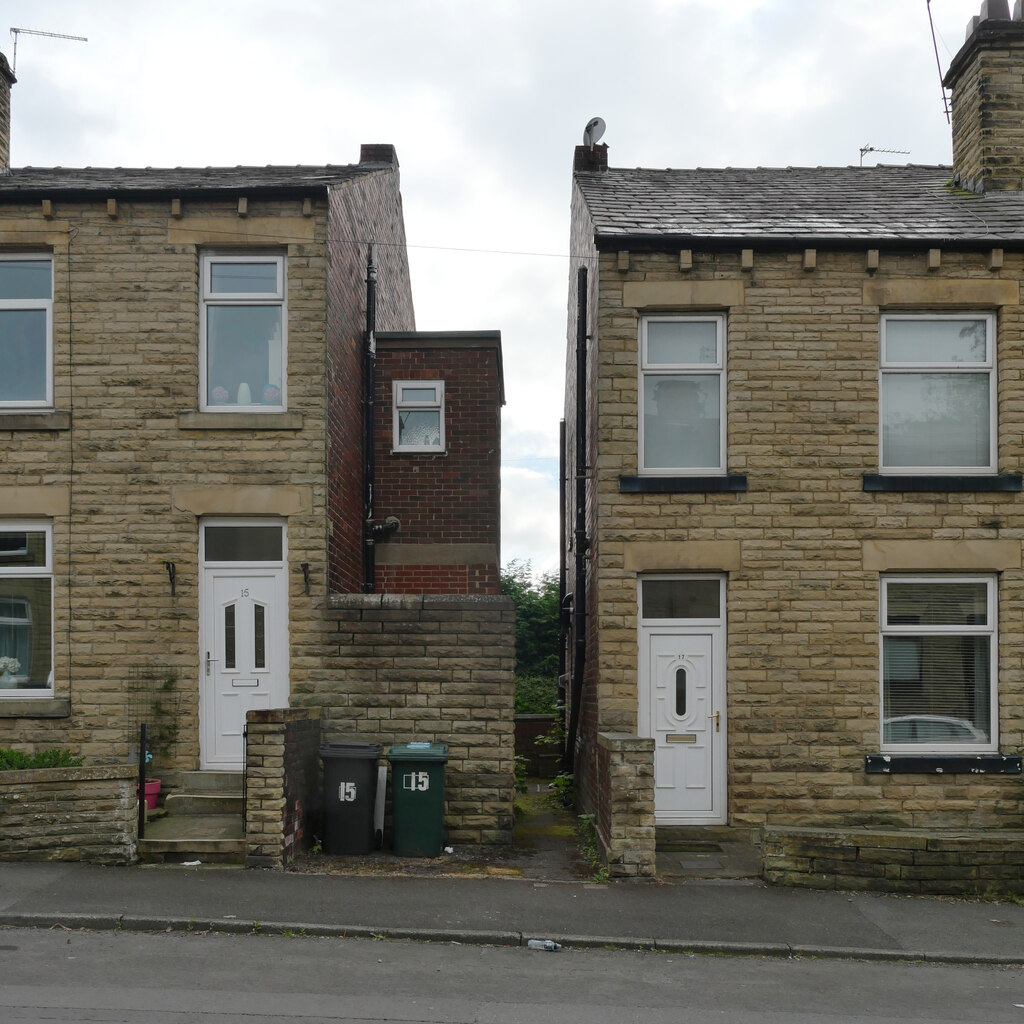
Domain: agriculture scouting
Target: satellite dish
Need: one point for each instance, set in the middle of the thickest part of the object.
(593, 132)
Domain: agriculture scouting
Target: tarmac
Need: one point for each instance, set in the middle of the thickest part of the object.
(705, 900)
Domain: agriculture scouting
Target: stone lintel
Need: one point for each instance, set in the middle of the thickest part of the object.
(237, 500)
(951, 293)
(195, 229)
(682, 555)
(398, 553)
(39, 500)
(941, 555)
(682, 294)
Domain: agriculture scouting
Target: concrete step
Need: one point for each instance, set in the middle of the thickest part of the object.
(179, 803)
(210, 838)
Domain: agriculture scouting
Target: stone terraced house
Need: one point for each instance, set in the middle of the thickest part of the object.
(235, 480)
(795, 423)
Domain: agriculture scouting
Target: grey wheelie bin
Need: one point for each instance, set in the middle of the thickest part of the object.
(417, 798)
(350, 788)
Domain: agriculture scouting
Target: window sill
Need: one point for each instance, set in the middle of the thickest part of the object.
(735, 482)
(942, 764)
(240, 421)
(35, 707)
(35, 420)
(943, 484)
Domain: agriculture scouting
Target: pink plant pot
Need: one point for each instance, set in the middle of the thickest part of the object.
(152, 792)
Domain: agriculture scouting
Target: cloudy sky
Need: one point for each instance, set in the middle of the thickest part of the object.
(484, 101)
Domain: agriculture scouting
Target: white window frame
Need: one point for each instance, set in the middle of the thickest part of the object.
(209, 298)
(47, 306)
(689, 577)
(44, 571)
(990, 629)
(988, 365)
(398, 405)
(718, 368)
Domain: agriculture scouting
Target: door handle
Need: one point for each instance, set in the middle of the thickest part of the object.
(210, 661)
(717, 717)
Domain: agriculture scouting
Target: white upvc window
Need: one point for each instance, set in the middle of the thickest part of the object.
(26, 332)
(939, 658)
(418, 415)
(937, 393)
(682, 395)
(243, 333)
(26, 609)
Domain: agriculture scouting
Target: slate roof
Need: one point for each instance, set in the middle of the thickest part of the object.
(912, 202)
(24, 182)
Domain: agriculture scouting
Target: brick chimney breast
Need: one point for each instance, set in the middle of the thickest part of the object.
(591, 158)
(987, 82)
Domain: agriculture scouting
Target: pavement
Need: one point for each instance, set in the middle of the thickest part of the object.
(706, 899)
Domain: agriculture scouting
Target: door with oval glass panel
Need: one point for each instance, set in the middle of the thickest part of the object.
(244, 635)
(682, 697)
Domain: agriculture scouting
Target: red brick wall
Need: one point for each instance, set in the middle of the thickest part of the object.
(368, 209)
(451, 498)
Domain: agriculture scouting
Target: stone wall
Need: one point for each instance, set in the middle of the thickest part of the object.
(910, 860)
(72, 814)
(283, 784)
(434, 668)
(625, 820)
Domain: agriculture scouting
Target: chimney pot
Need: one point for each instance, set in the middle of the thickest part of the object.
(995, 10)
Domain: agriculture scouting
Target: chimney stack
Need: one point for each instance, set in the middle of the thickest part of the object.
(987, 82)
(591, 158)
(7, 79)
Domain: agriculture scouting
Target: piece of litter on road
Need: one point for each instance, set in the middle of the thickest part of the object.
(191, 863)
(449, 849)
(231, 915)
(546, 944)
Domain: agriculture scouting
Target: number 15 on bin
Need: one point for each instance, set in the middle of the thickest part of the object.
(419, 781)
(346, 792)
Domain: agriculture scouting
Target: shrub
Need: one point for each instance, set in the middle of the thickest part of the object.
(536, 695)
(17, 760)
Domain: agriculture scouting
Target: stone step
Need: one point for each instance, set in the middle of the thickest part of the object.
(203, 803)
(209, 838)
(668, 836)
(201, 782)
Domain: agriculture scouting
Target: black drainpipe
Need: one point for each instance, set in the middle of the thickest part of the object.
(369, 384)
(580, 541)
(563, 632)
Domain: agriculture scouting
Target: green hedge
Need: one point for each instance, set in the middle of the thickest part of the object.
(17, 760)
(536, 695)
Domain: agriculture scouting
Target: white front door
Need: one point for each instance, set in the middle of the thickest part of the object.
(243, 639)
(682, 706)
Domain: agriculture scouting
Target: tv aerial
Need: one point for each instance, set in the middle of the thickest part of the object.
(15, 32)
(593, 132)
(864, 150)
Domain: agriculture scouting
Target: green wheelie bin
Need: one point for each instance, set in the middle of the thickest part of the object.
(417, 798)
